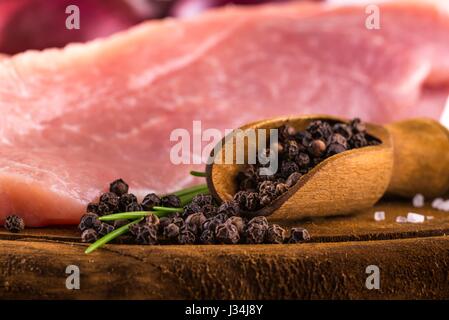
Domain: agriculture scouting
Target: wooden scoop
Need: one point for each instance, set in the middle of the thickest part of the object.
(342, 183)
(421, 158)
(354, 179)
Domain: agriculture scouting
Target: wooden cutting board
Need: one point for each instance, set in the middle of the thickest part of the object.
(413, 261)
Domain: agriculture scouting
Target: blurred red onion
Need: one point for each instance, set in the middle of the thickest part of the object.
(38, 24)
(190, 8)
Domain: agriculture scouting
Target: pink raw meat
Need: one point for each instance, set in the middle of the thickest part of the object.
(73, 120)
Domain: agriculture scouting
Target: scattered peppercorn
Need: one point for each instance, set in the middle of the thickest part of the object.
(125, 200)
(202, 200)
(202, 220)
(104, 228)
(227, 233)
(144, 233)
(195, 222)
(298, 235)
(132, 207)
(111, 200)
(89, 221)
(275, 234)
(207, 237)
(171, 200)
(186, 236)
(171, 232)
(89, 235)
(14, 223)
(151, 200)
(92, 207)
(119, 187)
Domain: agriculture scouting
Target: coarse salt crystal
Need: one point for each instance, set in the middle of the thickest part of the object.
(415, 217)
(401, 219)
(444, 206)
(437, 202)
(379, 215)
(418, 201)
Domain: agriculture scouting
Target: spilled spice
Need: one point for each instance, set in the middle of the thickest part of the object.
(201, 221)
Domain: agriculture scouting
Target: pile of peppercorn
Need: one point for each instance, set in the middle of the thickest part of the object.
(202, 221)
(298, 152)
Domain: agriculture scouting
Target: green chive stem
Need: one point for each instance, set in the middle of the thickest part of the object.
(128, 215)
(189, 190)
(198, 173)
(167, 209)
(110, 236)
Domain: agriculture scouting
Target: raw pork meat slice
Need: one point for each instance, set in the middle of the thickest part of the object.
(73, 120)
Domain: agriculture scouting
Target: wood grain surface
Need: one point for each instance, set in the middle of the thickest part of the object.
(413, 261)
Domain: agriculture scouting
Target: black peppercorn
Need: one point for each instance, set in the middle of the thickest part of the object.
(125, 200)
(111, 200)
(343, 129)
(92, 207)
(89, 236)
(14, 223)
(151, 219)
(357, 126)
(202, 200)
(103, 209)
(275, 234)
(337, 138)
(252, 201)
(292, 149)
(259, 220)
(133, 207)
(358, 141)
(212, 223)
(255, 233)
(207, 237)
(89, 221)
(286, 132)
(104, 228)
(281, 188)
(171, 232)
(298, 235)
(319, 129)
(317, 148)
(265, 199)
(190, 209)
(302, 160)
(119, 187)
(151, 200)
(171, 200)
(267, 187)
(209, 210)
(163, 222)
(304, 138)
(195, 222)
(178, 221)
(287, 168)
(238, 223)
(227, 233)
(335, 148)
(230, 208)
(293, 179)
(144, 234)
(186, 236)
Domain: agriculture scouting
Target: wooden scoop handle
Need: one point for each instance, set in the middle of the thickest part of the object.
(421, 158)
